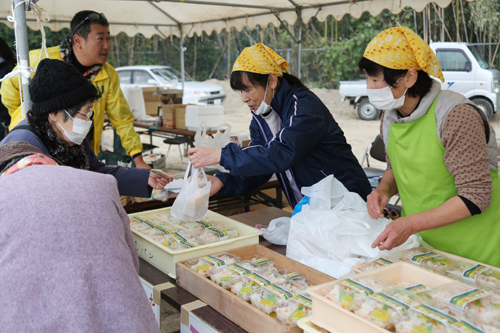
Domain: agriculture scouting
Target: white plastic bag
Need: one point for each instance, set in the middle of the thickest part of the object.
(191, 203)
(277, 232)
(333, 231)
(219, 140)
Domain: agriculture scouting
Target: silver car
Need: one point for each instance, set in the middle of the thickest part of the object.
(195, 92)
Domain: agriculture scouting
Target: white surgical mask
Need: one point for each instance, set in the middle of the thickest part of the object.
(80, 129)
(264, 107)
(383, 98)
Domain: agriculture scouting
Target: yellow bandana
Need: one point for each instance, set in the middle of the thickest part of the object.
(260, 59)
(401, 48)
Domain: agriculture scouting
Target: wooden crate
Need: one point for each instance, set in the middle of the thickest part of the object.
(231, 306)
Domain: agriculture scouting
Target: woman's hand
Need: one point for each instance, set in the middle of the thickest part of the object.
(202, 156)
(376, 202)
(395, 234)
(216, 184)
(158, 182)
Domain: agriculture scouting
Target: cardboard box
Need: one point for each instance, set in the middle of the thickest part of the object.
(151, 101)
(165, 259)
(168, 116)
(234, 308)
(174, 114)
(170, 96)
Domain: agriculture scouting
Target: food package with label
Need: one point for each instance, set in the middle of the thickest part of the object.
(268, 298)
(386, 309)
(227, 276)
(294, 309)
(207, 265)
(351, 293)
(374, 264)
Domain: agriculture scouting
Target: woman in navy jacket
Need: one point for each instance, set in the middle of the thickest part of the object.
(292, 133)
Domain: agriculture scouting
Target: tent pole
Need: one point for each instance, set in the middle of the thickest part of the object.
(22, 48)
(182, 57)
(300, 50)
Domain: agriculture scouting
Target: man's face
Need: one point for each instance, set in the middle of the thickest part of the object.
(95, 49)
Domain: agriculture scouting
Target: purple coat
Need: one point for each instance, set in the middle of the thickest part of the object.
(68, 262)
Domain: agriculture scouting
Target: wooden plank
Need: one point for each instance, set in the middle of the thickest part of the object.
(236, 309)
(218, 322)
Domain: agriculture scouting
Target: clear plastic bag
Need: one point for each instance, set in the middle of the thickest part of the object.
(192, 202)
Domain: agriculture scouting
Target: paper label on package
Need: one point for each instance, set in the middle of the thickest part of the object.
(419, 257)
(435, 314)
(304, 300)
(239, 269)
(205, 224)
(359, 287)
(258, 279)
(417, 289)
(462, 299)
(466, 327)
(473, 272)
(221, 232)
(400, 307)
(284, 294)
(183, 240)
(261, 261)
(292, 276)
(217, 262)
(383, 261)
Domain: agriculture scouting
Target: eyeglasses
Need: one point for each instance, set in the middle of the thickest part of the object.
(88, 115)
(91, 17)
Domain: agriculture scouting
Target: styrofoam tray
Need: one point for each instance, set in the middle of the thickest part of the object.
(164, 258)
(334, 318)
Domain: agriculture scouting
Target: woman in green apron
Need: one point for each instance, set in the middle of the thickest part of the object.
(441, 153)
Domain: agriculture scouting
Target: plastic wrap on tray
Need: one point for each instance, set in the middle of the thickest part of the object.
(425, 320)
(438, 263)
(296, 286)
(351, 293)
(268, 298)
(481, 322)
(294, 309)
(460, 299)
(292, 276)
(227, 276)
(386, 309)
(206, 265)
(375, 263)
(216, 234)
(264, 263)
(417, 255)
(254, 281)
(468, 272)
(191, 230)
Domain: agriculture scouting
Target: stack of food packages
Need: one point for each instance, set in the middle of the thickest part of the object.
(275, 291)
(406, 307)
(180, 235)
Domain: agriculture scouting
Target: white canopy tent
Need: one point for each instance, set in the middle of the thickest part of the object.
(184, 18)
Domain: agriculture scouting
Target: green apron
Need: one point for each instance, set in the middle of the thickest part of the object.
(424, 182)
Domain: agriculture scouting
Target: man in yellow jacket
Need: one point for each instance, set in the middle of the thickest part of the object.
(87, 48)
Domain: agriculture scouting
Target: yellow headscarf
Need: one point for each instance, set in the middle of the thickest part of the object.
(260, 59)
(401, 48)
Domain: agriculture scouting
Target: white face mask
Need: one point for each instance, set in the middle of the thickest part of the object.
(80, 129)
(264, 107)
(383, 98)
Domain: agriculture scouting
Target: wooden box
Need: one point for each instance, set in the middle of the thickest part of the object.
(234, 308)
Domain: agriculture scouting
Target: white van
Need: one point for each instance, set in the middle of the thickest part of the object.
(464, 70)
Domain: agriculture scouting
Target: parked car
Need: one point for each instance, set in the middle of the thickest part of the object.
(464, 70)
(195, 92)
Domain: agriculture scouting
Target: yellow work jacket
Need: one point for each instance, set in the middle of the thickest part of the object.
(112, 103)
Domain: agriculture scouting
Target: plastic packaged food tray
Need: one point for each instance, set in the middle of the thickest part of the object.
(165, 258)
(332, 317)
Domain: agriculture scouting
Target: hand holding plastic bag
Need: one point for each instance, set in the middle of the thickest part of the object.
(191, 203)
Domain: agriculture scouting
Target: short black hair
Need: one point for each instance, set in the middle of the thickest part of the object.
(85, 28)
(236, 80)
(391, 76)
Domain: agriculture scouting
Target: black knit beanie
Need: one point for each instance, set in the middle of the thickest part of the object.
(58, 85)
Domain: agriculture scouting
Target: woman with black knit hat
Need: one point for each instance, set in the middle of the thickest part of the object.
(61, 118)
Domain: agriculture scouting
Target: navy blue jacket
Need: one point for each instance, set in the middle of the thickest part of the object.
(310, 144)
(131, 182)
